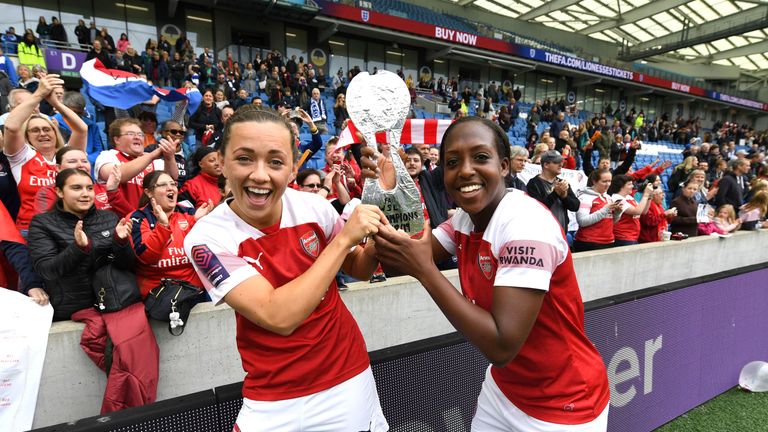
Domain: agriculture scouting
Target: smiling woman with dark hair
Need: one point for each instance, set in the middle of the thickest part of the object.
(271, 253)
(68, 243)
(519, 301)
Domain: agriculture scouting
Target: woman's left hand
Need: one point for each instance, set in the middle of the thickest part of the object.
(204, 209)
(396, 250)
(123, 228)
(38, 295)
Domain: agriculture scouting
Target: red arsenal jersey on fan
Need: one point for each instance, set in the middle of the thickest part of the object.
(327, 348)
(31, 172)
(160, 250)
(132, 189)
(602, 231)
(558, 376)
(628, 226)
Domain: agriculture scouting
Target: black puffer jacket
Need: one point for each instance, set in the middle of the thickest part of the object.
(66, 268)
(205, 116)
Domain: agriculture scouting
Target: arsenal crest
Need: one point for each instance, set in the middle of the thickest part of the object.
(484, 262)
(310, 244)
(102, 197)
(183, 225)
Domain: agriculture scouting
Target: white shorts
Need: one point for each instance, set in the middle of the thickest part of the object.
(350, 406)
(497, 413)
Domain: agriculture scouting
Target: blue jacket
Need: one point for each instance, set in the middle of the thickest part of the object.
(95, 144)
(6, 65)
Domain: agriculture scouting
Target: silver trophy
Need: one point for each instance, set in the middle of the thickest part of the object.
(379, 103)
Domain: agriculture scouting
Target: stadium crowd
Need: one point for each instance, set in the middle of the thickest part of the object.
(73, 204)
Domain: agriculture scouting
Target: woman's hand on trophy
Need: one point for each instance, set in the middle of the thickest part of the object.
(375, 165)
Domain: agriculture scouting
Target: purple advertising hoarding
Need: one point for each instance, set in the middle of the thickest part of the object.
(64, 62)
(668, 353)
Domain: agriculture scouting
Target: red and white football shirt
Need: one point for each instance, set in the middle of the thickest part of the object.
(600, 232)
(327, 348)
(132, 188)
(32, 172)
(627, 227)
(558, 376)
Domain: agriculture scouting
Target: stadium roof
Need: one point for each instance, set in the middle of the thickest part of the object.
(721, 32)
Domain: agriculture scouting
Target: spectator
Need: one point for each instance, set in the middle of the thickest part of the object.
(157, 70)
(558, 125)
(75, 101)
(654, 222)
(605, 162)
(203, 186)
(163, 45)
(30, 53)
(10, 41)
(726, 220)
(215, 140)
(26, 79)
(516, 166)
(225, 86)
(123, 62)
(703, 195)
(128, 140)
(82, 33)
(686, 221)
(6, 66)
(340, 112)
(309, 180)
(626, 230)
(681, 173)
(207, 117)
(174, 132)
(317, 112)
(31, 142)
(93, 33)
(220, 99)
(98, 52)
(148, 122)
(5, 91)
(596, 213)
(533, 120)
(43, 29)
(505, 120)
(177, 69)
(455, 103)
(350, 170)
(753, 212)
(732, 187)
(67, 244)
(58, 32)
(553, 191)
(14, 249)
(434, 157)
(159, 229)
(106, 196)
(123, 43)
(107, 41)
(538, 151)
(240, 100)
(135, 60)
(433, 201)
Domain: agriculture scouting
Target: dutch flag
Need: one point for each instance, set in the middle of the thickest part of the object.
(123, 90)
